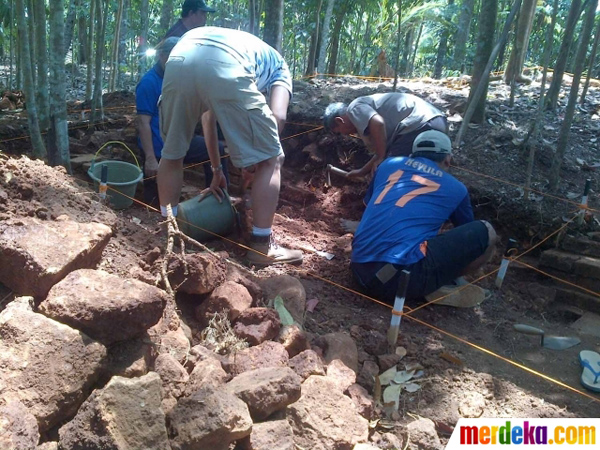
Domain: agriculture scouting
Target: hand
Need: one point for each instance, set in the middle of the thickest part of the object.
(150, 167)
(216, 187)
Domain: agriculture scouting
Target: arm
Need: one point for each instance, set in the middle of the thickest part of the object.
(279, 101)
(463, 213)
(145, 133)
(377, 143)
(209, 126)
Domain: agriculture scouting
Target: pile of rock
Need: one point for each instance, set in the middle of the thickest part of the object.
(92, 360)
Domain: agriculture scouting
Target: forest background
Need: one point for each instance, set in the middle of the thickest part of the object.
(111, 42)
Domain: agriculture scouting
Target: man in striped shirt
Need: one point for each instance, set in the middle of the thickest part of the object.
(218, 74)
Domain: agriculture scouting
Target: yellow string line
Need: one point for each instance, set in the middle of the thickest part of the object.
(579, 205)
(595, 294)
(495, 270)
(410, 311)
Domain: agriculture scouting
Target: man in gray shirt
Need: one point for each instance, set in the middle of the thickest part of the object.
(387, 123)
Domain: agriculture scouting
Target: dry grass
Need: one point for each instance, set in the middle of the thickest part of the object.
(219, 336)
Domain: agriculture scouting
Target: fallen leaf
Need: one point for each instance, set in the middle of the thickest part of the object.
(412, 387)
(388, 376)
(136, 220)
(442, 428)
(311, 304)
(403, 376)
(450, 358)
(392, 395)
(284, 315)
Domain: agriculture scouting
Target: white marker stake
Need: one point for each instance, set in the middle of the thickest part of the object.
(511, 249)
(398, 307)
(584, 201)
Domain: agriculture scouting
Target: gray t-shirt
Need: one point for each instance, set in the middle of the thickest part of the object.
(402, 113)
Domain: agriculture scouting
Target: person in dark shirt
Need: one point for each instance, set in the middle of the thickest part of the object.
(408, 202)
(193, 15)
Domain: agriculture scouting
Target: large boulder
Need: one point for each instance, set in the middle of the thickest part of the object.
(256, 325)
(206, 373)
(266, 390)
(104, 306)
(43, 253)
(208, 420)
(271, 435)
(231, 298)
(267, 354)
(46, 365)
(126, 414)
(341, 346)
(325, 419)
(204, 273)
(292, 292)
(18, 427)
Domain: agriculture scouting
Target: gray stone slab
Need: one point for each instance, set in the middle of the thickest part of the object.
(589, 323)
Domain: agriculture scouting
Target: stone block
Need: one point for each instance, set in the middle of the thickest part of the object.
(581, 245)
(578, 299)
(556, 259)
(587, 267)
(36, 255)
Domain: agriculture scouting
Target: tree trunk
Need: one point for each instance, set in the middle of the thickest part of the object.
(485, 44)
(535, 126)
(411, 66)
(398, 44)
(590, 65)
(58, 149)
(314, 41)
(440, 60)
(32, 40)
(143, 39)
(324, 36)
(482, 86)
(273, 32)
(356, 37)
(252, 16)
(12, 48)
(82, 37)
(90, 52)
(114, 59)
(166, 17)
(462, 35)
(125, 33)
(97, 106)
(517, 56)
(37, 143)
(335, 41)
(563, 137)
(42, 64)
(70, 24)
(563, 55)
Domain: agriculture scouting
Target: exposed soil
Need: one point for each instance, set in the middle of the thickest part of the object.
(444, 340)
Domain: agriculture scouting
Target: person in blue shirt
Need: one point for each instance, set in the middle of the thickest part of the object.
(150, 141)
(220, 74)
(408, 202)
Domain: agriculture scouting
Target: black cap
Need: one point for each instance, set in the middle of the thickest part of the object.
(193, 6)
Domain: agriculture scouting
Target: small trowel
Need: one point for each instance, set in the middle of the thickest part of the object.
(552, 342)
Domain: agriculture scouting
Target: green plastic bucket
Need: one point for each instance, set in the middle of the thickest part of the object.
(206, 219)
(122, 181)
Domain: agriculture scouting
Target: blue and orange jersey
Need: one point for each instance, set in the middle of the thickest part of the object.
(408, 201)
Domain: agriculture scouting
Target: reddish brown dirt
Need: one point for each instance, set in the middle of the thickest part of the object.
(309, 213)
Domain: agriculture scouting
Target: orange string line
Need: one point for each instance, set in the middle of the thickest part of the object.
(579, 205)
(408, 316)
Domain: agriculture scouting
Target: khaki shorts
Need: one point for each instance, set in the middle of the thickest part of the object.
(200, 78)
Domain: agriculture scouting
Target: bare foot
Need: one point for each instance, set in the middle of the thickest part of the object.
(349, 226)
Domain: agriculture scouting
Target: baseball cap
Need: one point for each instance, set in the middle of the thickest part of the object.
(432, 141)
(195, 5)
